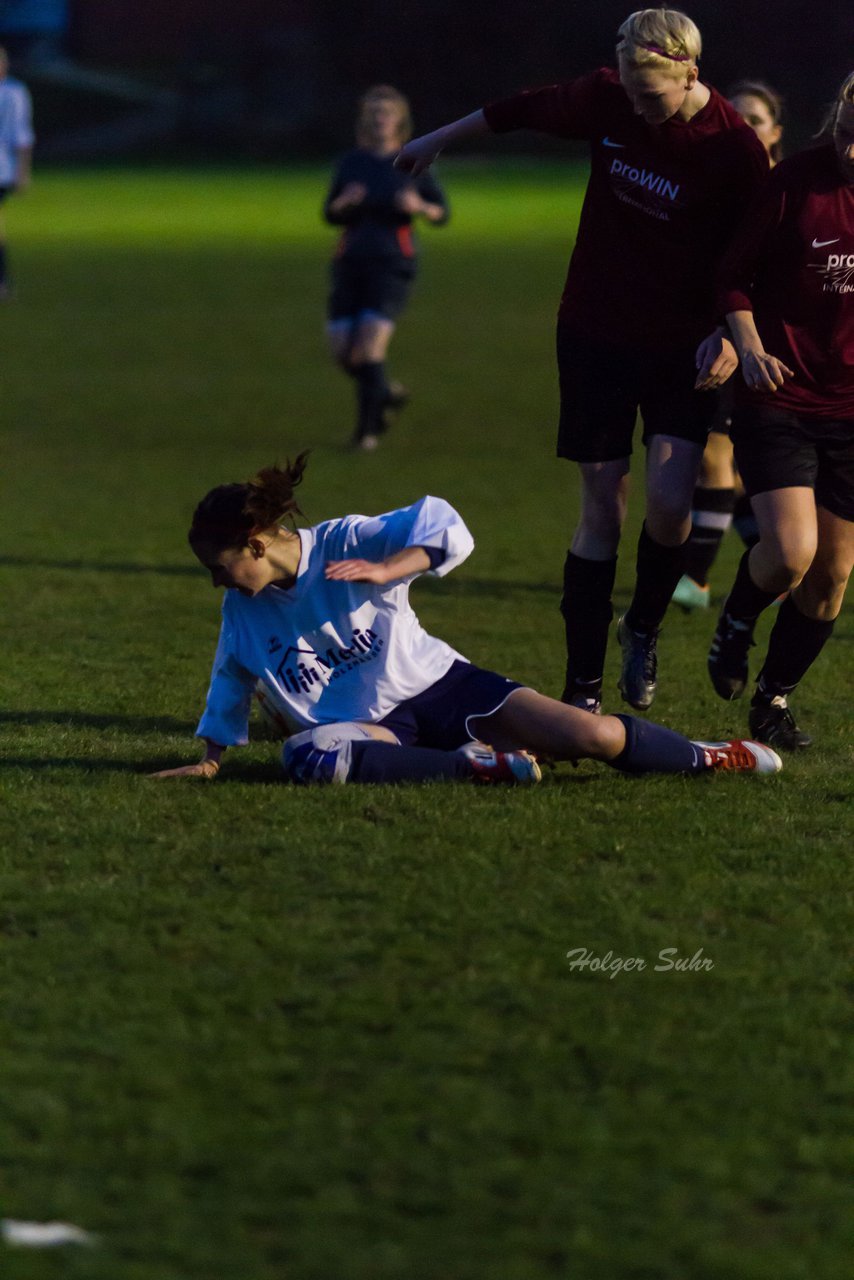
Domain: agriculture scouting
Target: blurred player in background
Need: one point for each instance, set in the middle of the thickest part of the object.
(673, 167)
(719, 498)
(375, 261)
(16, 149)
(322, 617)
(788, 294)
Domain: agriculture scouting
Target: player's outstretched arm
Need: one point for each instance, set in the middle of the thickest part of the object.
(420, 153)
(206, 768)
(761, 371)
(403, 564)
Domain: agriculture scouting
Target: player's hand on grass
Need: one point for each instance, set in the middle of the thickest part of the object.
(716, 361)
(763, 372)
(359, 571)
(204, 769)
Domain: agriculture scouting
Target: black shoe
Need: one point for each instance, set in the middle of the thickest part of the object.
(727, 661)
(396, 396)
(586, 695)
(637, 681)
(773, 723)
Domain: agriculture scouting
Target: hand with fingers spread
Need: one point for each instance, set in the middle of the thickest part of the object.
(764, 372)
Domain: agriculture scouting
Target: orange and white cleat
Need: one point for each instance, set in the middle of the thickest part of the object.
(740, 756)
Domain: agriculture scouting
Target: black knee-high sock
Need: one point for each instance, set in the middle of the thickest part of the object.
(746, 601)
(371, 392)
(587, 612)
(711, 517)
(658, 571)
(794, 644)
(744, 521)
(385, 762)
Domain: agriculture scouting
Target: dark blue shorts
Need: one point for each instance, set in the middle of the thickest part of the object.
(439, 716)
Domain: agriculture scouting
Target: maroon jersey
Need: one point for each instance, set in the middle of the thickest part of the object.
(792, 265)
(661, 204)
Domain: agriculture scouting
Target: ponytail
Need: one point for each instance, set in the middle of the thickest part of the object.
(231, 514)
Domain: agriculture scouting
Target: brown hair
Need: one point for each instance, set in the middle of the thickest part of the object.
(773, 100)
(231, 514)
(844, 98)
(384, 93)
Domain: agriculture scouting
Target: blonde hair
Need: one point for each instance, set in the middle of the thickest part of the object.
(664, 39)
(384, 93)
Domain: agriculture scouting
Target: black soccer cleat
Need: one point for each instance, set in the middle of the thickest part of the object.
(396, 396)
(637, 681)
(727, 661)
(586, 695)
(773, 723)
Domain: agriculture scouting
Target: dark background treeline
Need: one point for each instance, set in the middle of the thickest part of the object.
(280, 77)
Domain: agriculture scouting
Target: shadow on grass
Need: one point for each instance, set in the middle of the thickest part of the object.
(250, 772)
(101, 566)
(89, 720)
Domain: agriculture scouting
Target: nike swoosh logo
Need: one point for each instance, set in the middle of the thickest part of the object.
(819, 244)
(606, 142)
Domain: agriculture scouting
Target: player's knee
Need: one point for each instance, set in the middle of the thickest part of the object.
(323, 754)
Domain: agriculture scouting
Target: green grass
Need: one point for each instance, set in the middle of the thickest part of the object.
(250, 1032)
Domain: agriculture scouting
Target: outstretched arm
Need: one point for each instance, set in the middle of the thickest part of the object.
(420, 153)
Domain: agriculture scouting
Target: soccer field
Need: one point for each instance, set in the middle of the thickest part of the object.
(251, 1032)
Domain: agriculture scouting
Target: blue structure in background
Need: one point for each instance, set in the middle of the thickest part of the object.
(33, 17)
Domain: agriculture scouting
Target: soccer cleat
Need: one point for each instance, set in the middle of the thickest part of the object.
(690, 595)
(396, 396)
(727, 661)
(586, 695)
(773, 723)
(740, 756)
(517, 767)
(366, 444)
(637, 681)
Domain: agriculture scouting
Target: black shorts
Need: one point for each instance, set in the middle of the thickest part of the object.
(778, 449)
(722, 421)
(439, 717)
(602, 387)
(378, 285)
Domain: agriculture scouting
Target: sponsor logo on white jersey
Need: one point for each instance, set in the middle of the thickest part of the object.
(302, 668)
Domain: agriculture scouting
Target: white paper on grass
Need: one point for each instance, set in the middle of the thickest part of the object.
(43, 1235)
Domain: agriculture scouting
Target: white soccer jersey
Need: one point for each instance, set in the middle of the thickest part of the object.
(333, 651)
(16, 130)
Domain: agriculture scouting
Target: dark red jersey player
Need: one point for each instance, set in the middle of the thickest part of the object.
(787, 286)
(673, 168)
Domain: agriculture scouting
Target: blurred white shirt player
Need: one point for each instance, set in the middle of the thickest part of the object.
(16, 148)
